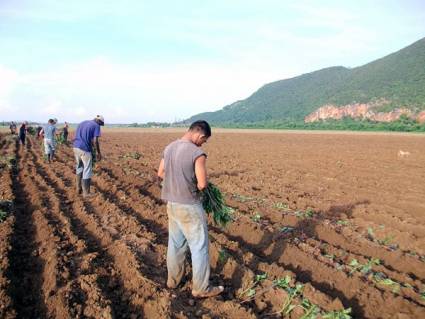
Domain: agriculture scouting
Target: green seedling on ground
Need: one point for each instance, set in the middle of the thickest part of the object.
(241, 198)
(338, 314)
(309, 213)
(134, 155)
(286, 229)
(412, 253)
(423, 295)
(287, 306)
(280, 205)
(310, 310)
(395, 286)
(283, 283)
(223, 255)
(331, 256)
(343, 222)
(3, 216)
(363, 268)
(250, 291)
(370, 233)
(386, 241)
(256, 217)
(7, 161)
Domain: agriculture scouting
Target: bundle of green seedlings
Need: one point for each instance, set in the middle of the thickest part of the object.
(213, 202)
(94, 156)
(60, 139)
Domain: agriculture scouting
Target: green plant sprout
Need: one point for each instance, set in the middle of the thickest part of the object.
(338, 314)
(7, 161)
(241, 198)
(3, 216)
(310, 310)
(286, 229)
(386, 241)
(283, 283)
(280, 205)
(223, 255)
(343, 222)
(331, 256)
(309, 213)
(370, 233)
(287, 306)
(395, 286)
(256, 217)
(250, 291)
(363, 268)
(134, 155)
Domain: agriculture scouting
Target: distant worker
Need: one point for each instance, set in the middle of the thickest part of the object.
(23, 132)
(38, 132)
(12, 128)
(65, 132)
(83, 148)
(183, 161)
(49, 132)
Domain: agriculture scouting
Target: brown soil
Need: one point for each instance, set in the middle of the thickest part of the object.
(323, 201)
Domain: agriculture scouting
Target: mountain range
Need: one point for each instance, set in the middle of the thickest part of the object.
(381, 90)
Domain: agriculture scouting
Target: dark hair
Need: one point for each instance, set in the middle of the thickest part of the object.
(201, 126)
(51, 121)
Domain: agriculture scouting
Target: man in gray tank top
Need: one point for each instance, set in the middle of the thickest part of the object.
(183, 170)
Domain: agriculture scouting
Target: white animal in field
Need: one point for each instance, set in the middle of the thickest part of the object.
(402, 154)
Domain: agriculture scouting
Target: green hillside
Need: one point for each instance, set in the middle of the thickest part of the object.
(399, 78)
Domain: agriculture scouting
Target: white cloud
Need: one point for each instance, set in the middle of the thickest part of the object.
(124, 93)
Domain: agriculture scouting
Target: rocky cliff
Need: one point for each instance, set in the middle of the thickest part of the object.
(362, 111)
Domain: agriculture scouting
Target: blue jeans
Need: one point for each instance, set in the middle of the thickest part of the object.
(49, 146)
(83, 163)
(187, 226)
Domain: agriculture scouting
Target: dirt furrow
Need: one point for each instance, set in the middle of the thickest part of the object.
(119, 278)
(348, 238)
(352, 291)
(117, 198)
(77, 286)
(267, 243)
(242, 269)
(339, 236)
(7, 223)
(25, 265)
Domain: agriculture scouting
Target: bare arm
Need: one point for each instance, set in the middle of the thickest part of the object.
(98, 154)
(201, 172)
(161, 170)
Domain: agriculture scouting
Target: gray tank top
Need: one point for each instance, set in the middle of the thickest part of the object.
(179, 180)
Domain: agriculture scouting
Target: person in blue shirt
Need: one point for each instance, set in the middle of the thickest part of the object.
(87, 131)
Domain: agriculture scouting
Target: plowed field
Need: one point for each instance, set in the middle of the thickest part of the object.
(323, 222)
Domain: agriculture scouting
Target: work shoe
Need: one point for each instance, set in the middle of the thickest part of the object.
(78, 180)
(171, 285)
(211, 292)
(86, 188)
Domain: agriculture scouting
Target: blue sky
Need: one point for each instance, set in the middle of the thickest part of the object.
(139, 61)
